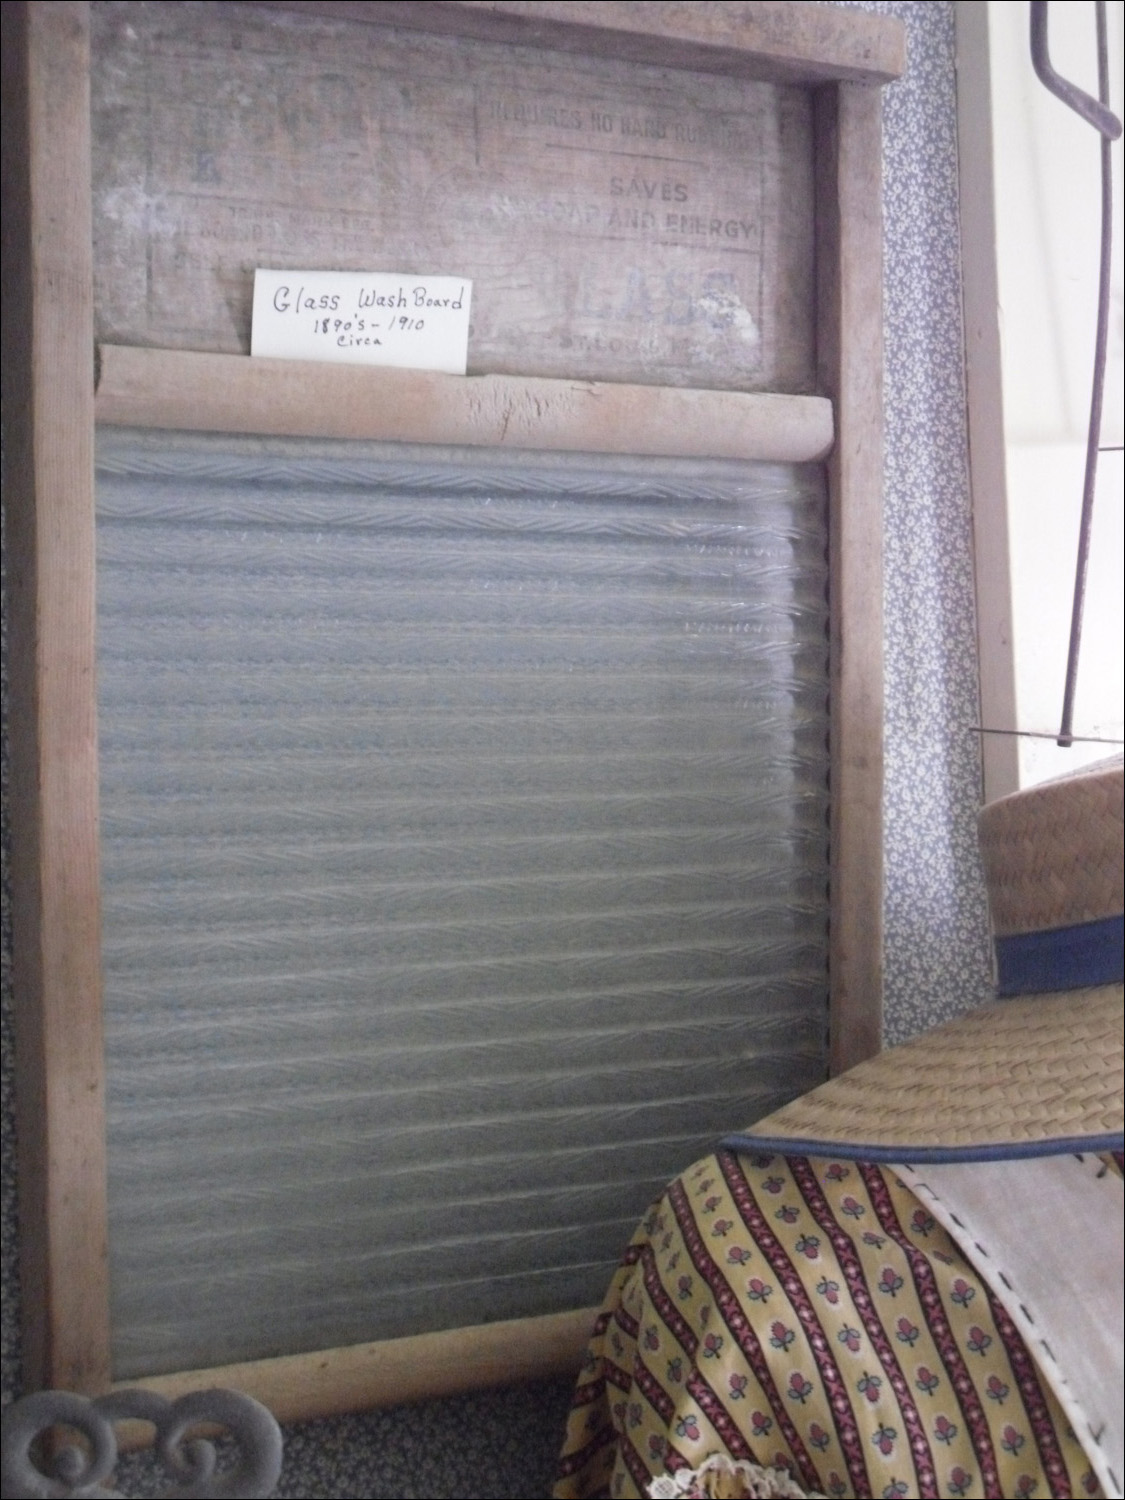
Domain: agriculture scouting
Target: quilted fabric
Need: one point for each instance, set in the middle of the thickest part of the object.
(811, 1314)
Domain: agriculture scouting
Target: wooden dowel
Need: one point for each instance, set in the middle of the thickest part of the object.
(331, 1382)
(301, 398)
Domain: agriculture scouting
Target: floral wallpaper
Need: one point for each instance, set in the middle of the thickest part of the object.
(936, 944)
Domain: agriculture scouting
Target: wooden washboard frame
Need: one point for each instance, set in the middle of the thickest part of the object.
(50, 411)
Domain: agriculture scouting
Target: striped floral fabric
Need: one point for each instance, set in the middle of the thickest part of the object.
(811, 1314)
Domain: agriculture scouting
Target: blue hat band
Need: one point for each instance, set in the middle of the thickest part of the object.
(1063, 958)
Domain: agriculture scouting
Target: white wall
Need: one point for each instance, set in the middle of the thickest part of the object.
(1045, 210)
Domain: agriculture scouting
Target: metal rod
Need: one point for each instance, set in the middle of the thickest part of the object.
(1044, 734)
(1095, 112)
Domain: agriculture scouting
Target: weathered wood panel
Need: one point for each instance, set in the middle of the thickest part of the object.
(49, 504)
(849, 123)
(300, 1387)
(784, 41)
(620, 222)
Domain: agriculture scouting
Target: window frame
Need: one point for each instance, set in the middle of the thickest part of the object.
(51, 409)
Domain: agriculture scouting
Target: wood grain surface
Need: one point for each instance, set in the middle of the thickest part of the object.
(783, 41)
(306, 398)
(49, 504)
(619, 222)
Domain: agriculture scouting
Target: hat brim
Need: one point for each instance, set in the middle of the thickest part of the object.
(1036, 1076)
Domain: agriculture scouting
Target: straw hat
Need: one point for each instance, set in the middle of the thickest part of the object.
(1040, 1071)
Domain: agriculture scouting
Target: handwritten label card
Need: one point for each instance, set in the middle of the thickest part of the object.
(381, 318)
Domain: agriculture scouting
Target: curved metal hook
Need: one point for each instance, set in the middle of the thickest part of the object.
(1099, 115)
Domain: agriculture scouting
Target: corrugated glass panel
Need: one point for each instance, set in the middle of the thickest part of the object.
(465, 867)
